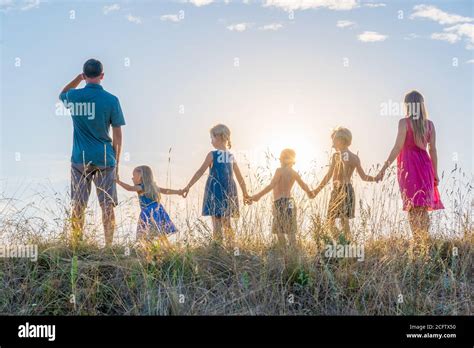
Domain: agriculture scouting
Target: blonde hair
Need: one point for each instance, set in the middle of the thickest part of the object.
(288, 157)
(416, 111)
(150, 189)
(342, 133)
(223, 132)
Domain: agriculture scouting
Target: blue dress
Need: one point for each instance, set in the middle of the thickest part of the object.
(153, 218)
(220, 194)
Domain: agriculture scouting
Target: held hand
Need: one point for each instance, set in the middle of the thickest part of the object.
(254, 198)
(380, 176)
(184, 192)
(247, 199)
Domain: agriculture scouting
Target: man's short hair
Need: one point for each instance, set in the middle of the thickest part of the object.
(92, 68)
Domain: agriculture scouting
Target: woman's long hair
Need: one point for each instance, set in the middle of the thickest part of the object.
(416, 111)
(150, 189)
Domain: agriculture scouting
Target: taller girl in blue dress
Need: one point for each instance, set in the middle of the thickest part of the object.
(220, 196)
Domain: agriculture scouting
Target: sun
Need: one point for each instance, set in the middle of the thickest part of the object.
(305, 148)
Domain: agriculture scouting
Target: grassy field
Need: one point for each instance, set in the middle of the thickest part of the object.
(251, 279)
(197, 277)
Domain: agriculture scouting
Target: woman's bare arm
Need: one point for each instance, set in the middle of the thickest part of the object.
(433, 152)
(400, 140)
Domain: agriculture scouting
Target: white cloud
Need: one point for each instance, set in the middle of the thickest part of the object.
(435, 14)
(371, 36)
(345, 24)
(374, 5)
(133, 19)
(293, 5)
(272, 26)
(456, 33)
(463, 31)
(201, 2)
(24, 5)
(411, 36)
(449, 37)
(6, 5)
(170, 17)
(114, 7)
(239, 27)
(30, 4)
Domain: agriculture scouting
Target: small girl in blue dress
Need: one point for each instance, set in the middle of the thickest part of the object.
(154, 221)
(220, 196)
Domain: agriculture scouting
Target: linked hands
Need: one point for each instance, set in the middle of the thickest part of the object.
(312, 194)
(380, 175)
(184, 192)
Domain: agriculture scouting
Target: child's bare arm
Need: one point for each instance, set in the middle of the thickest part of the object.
(207, 162)
(240, 179)
(302, 184)
(270, 186)
(361, 172)
(327, 177)
(167, 191)
(132, 188)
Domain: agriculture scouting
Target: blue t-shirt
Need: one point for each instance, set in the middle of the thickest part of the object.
(93, 111)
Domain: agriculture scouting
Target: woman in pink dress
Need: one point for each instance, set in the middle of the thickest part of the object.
(417, 168)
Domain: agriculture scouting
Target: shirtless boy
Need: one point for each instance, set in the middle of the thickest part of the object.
(342, 166)
(284, 207)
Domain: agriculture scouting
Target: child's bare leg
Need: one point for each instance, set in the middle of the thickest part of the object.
(228, 231)
(332, 228)
(346, 228)
(291, 240)
(163, 240)
(217, 229)
(281, 242)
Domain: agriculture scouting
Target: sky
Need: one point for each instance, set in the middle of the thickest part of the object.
(279, 73)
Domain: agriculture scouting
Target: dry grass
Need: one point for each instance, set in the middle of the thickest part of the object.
(256, 281)
(196, 277)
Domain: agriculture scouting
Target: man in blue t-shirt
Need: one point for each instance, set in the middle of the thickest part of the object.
(95, 155)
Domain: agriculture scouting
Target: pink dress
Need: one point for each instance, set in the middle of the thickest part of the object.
(416, 174)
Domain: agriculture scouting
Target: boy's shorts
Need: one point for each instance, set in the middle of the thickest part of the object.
(284, 216)
(342, 202)
(82, 177)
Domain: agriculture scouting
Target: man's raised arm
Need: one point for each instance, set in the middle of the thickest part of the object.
(73, 84)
